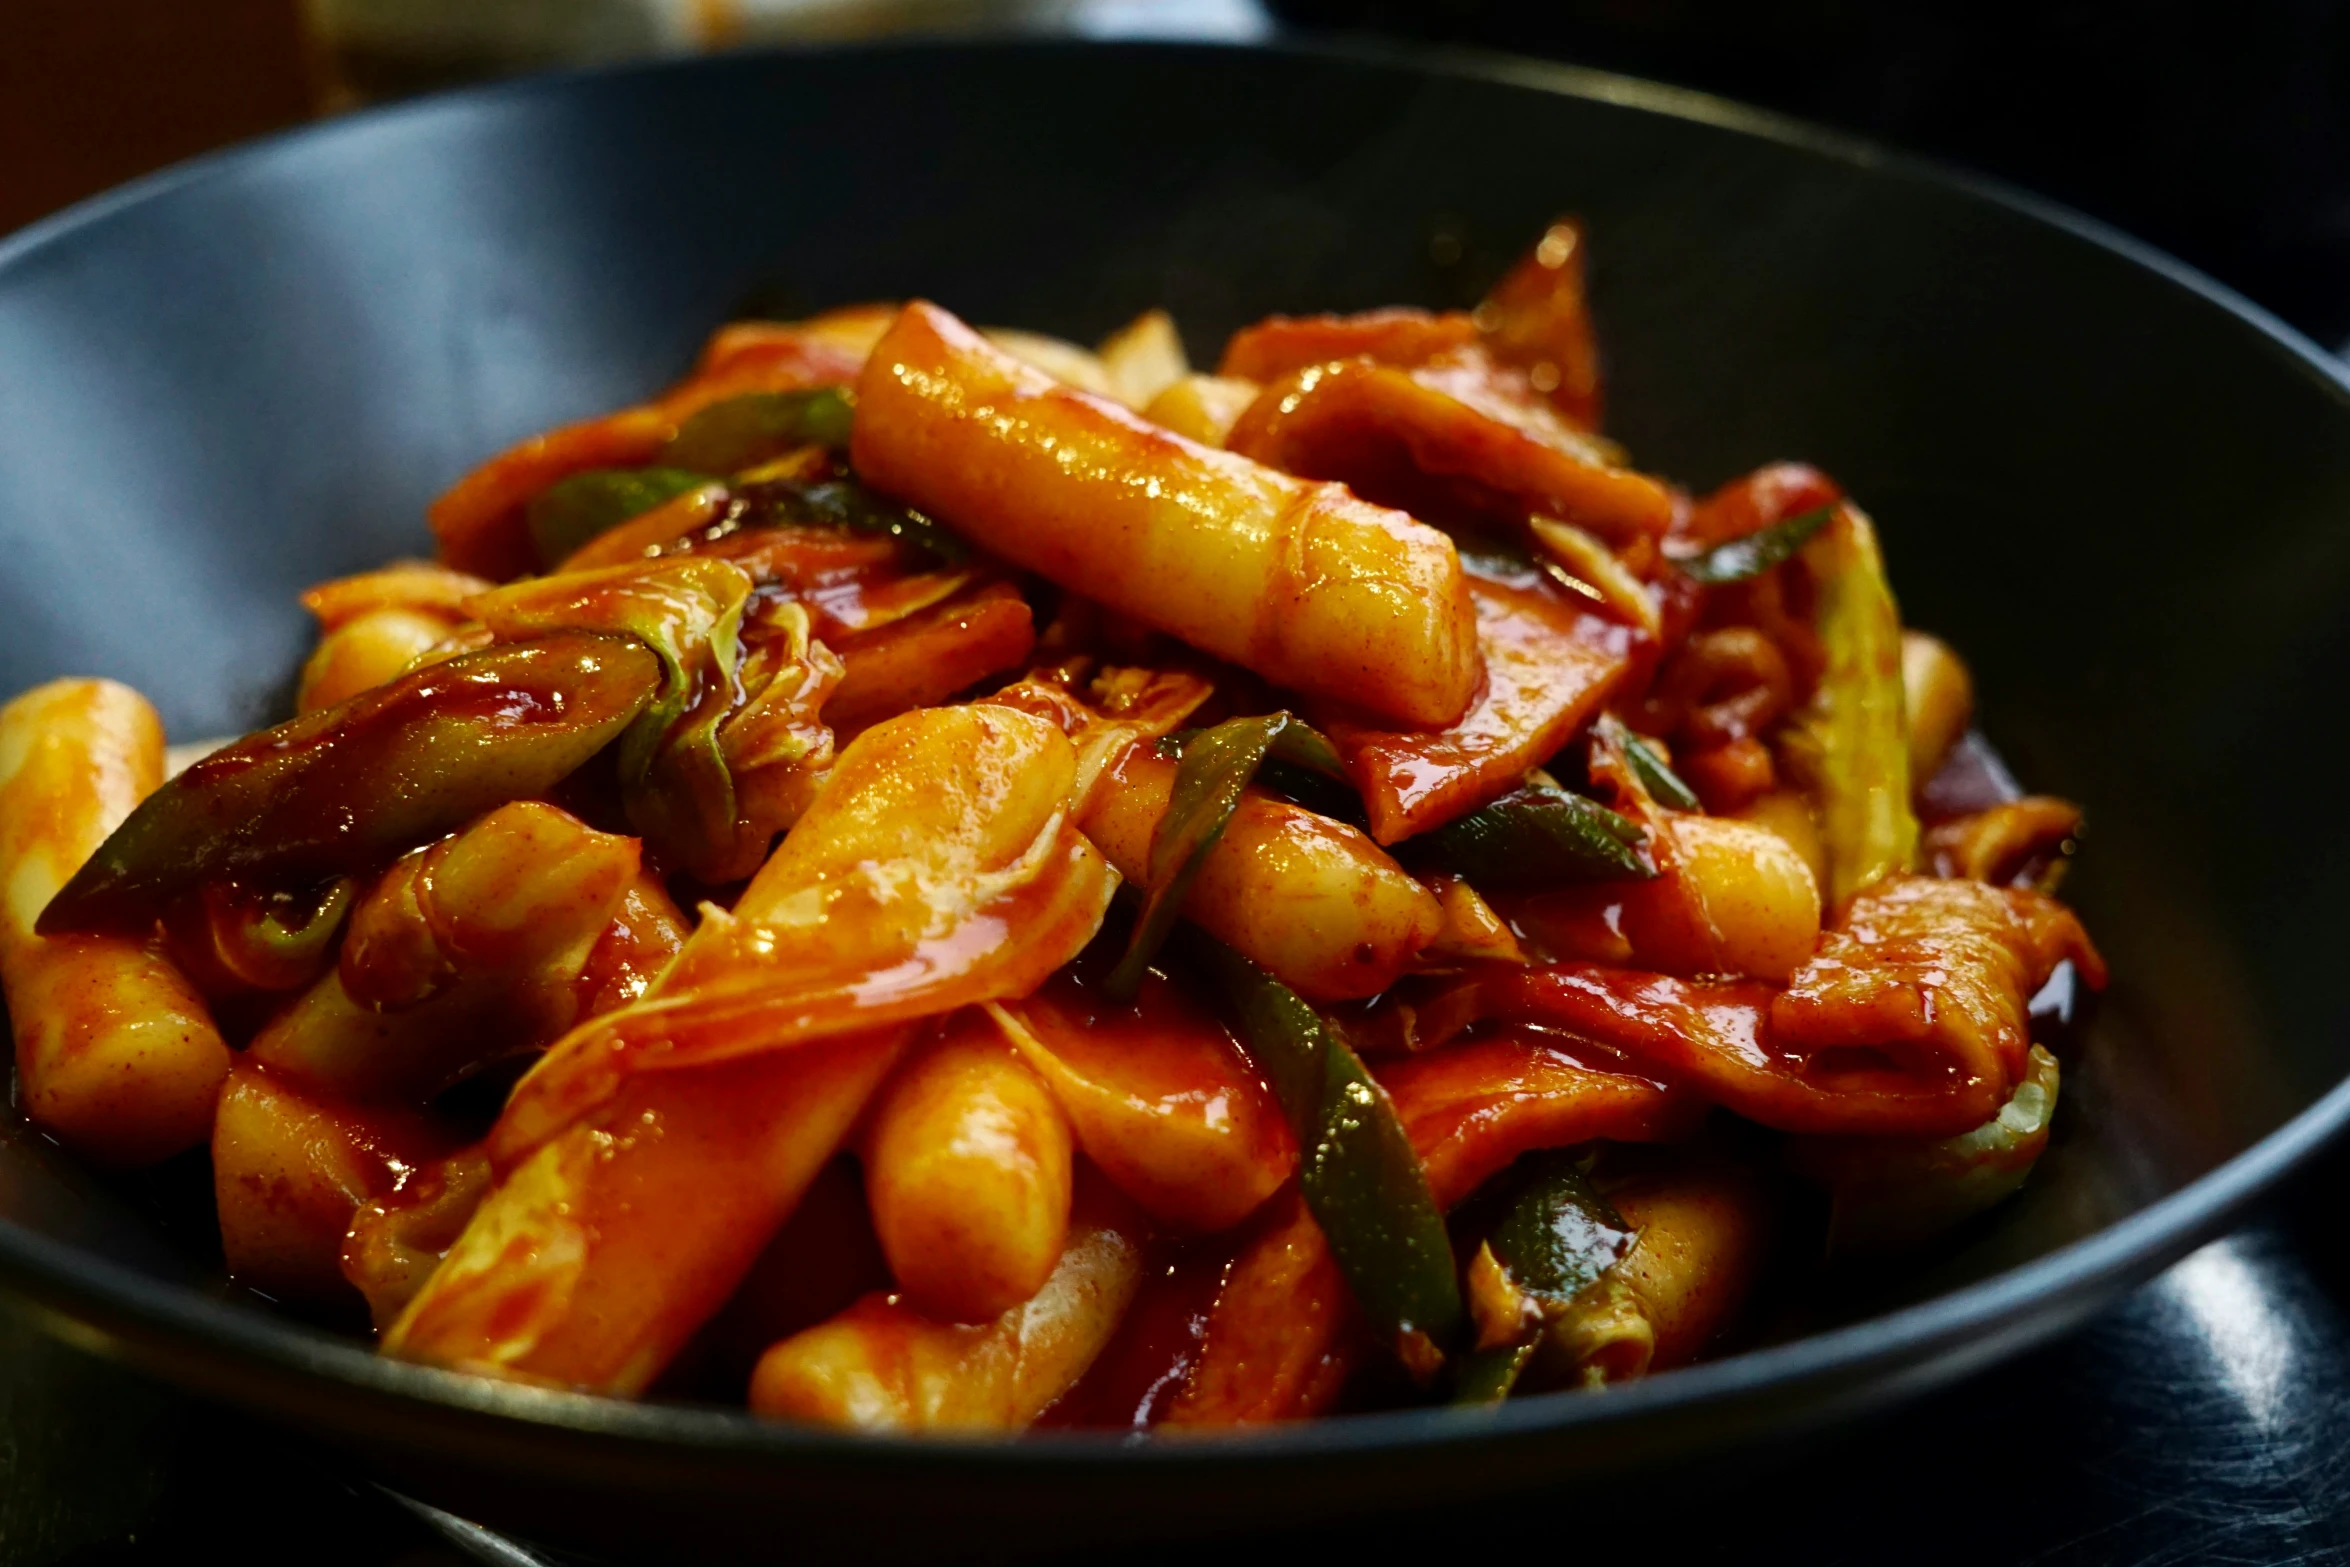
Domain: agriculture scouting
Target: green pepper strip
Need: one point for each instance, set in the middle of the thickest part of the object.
(1300, 744)
(1359, 1175)
(1535, 836)
(1555, 1239)
(847, 503)
(1216, 766)
(571, 511)
(1663, 784)
(1756, 553)
(1303, 766)
(729, 436)
(1487, 1376)
(347, 789)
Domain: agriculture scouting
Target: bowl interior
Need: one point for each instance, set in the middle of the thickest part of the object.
(2121, 498)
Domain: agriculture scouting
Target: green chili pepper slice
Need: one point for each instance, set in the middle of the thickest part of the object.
(1663, 784)
(847, 503)
(349, 788)
(1757, 552)
(1310, 783)
(1216, 765)
(571, 511)
(1558, 1235)
(1358, 1172)
(1301, 745)
(1535, 836)
(1487, 1376)
(1554, 1238)
(729, 436)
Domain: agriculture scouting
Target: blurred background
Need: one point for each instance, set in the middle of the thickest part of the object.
(2219, 132)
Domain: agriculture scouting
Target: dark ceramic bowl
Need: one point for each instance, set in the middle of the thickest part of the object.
(2122, 492)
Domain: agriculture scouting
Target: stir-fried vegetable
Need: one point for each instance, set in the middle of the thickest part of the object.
(729, 436)
(1361, 1178)
(1739, 559)
(1554, 1239)
(1301, 745)
(1852, 740)
(1303, 766)
(937, 870)
(1217, 764)
(673, 775)
(572, 511)
(1309, 898)
(849, 504)
(349, 788)
(1663, 785)
(233, 939)
(1537, 836)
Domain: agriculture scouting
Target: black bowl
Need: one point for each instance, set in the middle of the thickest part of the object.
(2118, 489)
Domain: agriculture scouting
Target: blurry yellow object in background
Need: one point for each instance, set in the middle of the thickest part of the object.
(95, 92)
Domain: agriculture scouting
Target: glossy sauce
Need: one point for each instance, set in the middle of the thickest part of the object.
(1549, 667)
(1162, 1096)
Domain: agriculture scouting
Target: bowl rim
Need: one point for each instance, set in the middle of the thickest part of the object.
(112, 1308)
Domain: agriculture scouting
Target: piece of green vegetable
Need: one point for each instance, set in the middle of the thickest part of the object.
(1555, 1237)
(285, 931)
(1358, 1172)
(571, 511)
(1888, 1195)
(1216, 765)
(1758, 552)
(1487, 1376)
(1558, 1235)
(1536, 836)
(348, 789)
(1322, 795)
(688, 609)
(1301, 745)
(1850, 745)
(1302, 766)
(847, 503)
(729, 436)
(1663, 784)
